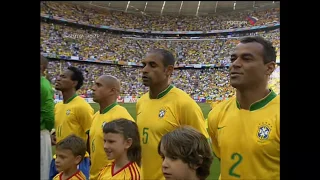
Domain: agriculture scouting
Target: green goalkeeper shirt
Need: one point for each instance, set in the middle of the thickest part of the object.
(47, 105)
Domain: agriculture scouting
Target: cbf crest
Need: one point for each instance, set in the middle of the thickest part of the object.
(162, 112)
(68, 112)
(264, 130)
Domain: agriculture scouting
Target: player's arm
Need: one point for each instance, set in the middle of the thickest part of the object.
(212, 130)
(47, 106)
(85, 116)
(123, 113)
(191, 114)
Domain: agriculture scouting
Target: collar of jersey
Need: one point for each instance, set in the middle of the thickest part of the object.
(261, 103)
(70, 99)
(109, 107)
(164, 92)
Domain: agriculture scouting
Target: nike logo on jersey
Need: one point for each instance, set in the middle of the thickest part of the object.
(221, 127)
(139, 113)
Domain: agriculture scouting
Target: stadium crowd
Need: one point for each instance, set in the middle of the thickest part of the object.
(88, 44)
(213, 82)
(101, 46)
(117, 19)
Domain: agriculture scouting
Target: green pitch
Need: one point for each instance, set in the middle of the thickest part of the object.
(215, 168)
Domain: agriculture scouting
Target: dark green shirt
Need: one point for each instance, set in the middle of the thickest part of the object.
(47, 105)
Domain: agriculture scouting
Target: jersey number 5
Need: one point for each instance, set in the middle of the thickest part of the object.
(145, 135)
(231, 170)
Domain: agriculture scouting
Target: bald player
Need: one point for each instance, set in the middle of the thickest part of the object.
(105, 92)
(46, 120)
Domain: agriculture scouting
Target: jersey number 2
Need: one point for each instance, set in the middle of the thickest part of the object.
(231, 171)
(145, 135)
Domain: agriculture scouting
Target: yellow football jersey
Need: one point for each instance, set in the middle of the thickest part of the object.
(156, 117)
(73, 117)
(247, 141)
(77, 176)
(206, 123)
(214, 104)
(131, 171)
(98, 155)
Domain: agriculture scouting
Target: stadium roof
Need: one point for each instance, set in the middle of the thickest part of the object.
(181, 7)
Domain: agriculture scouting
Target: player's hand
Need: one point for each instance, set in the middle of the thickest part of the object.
(53, 139)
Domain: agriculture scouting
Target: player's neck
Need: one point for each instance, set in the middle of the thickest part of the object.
(68, 94)
(155, 91)
(251, 95)
(69, 172)
(106, 103)
(193, 176)
(120, 162)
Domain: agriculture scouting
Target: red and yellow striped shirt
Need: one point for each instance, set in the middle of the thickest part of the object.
(131, 171)
(76, 176)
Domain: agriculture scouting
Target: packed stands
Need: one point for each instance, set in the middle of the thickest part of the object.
(84, 44)
(101, 46)
(118, 19)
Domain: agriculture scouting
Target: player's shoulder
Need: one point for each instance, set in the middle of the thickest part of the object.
(227, 103)
(275, 101)
(57, 177)
(181, 97)
(119, 107)
(268, 105)
(80, 99)
(79, 176)
(134, 170)
(96, 114)
(136, 166)
(272, 108)
(221, 107)
(45, 82)
(144, 97)
(122, 112)
(58, 104)
(178, 92)
(106, 168)
(82, 103)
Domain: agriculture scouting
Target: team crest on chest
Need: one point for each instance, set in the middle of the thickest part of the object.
(264, 130)
(162, 112)
(68, 112)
